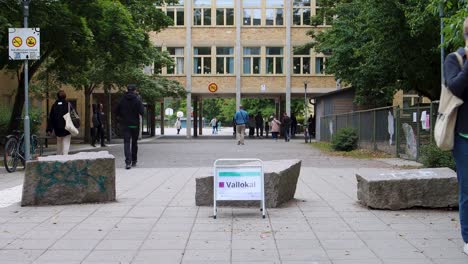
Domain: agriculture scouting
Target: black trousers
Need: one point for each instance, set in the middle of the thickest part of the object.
(97, 134)
(130, 144)
(259, 129)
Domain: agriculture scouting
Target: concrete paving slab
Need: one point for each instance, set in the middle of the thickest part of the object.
(155, 218)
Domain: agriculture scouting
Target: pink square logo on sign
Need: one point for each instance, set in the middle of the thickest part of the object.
(221, 185)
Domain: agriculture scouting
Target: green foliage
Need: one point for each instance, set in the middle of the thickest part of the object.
(5, 113)
(382, 46)
(433, 157)
(345, 139)
(454, 12)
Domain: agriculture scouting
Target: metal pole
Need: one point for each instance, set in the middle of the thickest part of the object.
(27, 131)
(305, 104)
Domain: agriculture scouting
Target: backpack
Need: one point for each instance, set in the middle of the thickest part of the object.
(444, 130)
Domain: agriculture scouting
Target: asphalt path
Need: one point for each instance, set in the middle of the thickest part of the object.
(178, 151)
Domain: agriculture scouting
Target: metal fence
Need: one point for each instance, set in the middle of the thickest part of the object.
(394, 130)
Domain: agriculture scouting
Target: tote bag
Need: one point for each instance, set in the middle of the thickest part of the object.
(444, 129)
(69, 126)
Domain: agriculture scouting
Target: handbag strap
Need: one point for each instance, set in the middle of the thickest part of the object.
(68, 107)
(459, 58)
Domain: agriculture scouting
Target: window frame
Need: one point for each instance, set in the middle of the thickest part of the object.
(301, 8)
(202, 57)
(225, 58)
(275, 58)
(176, 8)
(324, 59)
(174, 58)
(301, 57)
(252, 58)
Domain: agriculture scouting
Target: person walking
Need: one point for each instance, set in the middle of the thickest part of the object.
(178, 125)
(259, 124)
(129, 110)
(293, 125)
(213, 123)
(241, 118)
(56, 123)
(311, 127)
(286, 122)
(251, 126)
(101, 118)
(456, 78)
(275, 125)
(96, 125)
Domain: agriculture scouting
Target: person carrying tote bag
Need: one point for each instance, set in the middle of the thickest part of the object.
(456, 77)
(56, 123)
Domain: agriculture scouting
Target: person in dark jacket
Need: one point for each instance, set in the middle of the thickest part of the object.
(286, 123)
(293, 125)
(56, 123)
(129, 110)
(96, 125)
(311, 127)
(456, 78)
(259, 124)
(102, 120)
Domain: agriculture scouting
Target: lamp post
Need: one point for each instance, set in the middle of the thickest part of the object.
(27, 131)
(305, 102)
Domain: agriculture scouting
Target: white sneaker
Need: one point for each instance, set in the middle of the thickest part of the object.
(465, 248)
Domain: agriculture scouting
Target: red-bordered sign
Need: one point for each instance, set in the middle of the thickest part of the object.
(17, 42)
(212, 87)
(31, 41)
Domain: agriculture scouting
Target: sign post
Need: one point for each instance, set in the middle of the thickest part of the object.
(24, 44)
(238, 180)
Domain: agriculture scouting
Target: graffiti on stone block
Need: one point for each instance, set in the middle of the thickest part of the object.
(72, 174)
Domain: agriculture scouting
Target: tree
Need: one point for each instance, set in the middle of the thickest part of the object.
(107, 41)
(455, 12)
(379, 47)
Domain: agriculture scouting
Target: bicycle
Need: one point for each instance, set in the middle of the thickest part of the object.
(14, 150)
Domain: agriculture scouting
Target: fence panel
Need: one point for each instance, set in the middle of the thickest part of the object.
(394, 130)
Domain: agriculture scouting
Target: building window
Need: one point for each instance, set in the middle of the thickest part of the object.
(322, 17)
(301, 12)
(177, 54)
(251, 61)
(202, 13)
(176, 13)
(274, 13)
(301, 61)
(274, 60)
(225, 60)
(319, 65)
(252, 12)
(224, 12)
(202, 60)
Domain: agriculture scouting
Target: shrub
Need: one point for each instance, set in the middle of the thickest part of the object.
(5, 114)
(345, 139)
(433, 157)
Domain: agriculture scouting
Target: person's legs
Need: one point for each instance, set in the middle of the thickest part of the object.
(135, 133)
(66, 144)
(261, 131)
(241, 131)
(93, 136)
(460, 154)
(101, 136)
(59, 145)
(128, 154)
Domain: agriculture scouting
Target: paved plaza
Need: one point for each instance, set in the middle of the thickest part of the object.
(155, 219)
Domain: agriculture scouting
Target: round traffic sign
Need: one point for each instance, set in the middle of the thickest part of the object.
(17, 42)
(212, 87)
(31, 41)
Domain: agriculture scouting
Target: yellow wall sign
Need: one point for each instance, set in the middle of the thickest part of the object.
(212, 87)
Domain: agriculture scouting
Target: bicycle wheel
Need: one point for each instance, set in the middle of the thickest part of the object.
(10, 157)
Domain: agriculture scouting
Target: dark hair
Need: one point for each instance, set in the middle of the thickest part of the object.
(61, 95)
(131, 87)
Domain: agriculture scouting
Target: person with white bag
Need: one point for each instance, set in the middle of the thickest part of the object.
(56, 123)
(456, 77)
